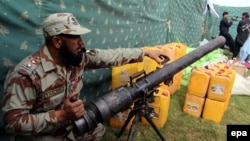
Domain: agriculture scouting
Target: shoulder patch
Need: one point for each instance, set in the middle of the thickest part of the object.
(29, 66)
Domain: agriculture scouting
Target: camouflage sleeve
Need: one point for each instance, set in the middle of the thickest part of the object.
(18, 100)
(99, 58)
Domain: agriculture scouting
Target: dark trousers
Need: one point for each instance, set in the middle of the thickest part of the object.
(236, 48)
(229, 41)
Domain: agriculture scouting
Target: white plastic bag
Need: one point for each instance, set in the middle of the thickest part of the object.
(241, 86)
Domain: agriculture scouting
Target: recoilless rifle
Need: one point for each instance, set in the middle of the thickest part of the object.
(101, 109)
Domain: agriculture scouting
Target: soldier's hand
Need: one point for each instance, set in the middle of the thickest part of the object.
(72, 109)
(157, 55)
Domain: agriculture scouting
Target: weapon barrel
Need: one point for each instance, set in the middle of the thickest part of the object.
(168, 71)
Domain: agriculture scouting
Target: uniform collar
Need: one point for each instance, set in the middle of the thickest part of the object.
(46, 59)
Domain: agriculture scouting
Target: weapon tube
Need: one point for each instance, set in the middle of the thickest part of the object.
(101, 109)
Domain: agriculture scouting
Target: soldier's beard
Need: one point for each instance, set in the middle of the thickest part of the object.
(69, 57)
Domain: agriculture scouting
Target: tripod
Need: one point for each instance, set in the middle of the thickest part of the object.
(139, 109)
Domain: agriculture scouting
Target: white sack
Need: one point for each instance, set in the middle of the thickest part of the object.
(241, 86)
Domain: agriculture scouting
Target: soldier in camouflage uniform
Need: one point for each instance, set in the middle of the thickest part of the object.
(38, 90)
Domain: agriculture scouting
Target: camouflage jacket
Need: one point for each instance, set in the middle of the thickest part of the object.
(36, 87)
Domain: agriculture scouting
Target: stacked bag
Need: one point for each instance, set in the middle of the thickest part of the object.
(209, 91)
(121, 77)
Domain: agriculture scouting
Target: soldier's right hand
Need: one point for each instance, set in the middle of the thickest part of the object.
(71, 110)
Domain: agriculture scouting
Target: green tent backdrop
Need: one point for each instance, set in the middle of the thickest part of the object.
(128, 24)
(114, 23)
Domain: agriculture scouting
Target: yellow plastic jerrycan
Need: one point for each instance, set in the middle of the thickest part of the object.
(232, 74)
(219, 87)
(198, 82)
(121, 74)
(161, 107)
(193, 105)
(181, 49)
(213, 110)
(175, 50)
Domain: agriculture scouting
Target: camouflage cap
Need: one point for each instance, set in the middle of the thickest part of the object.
(65, 23)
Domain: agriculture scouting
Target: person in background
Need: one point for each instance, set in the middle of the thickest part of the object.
(38, 92)
(245, 49)
(242, 34)
(224, 30)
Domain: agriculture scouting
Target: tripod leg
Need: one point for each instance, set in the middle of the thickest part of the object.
(154, 126)
(131, 114)
(133, 127)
